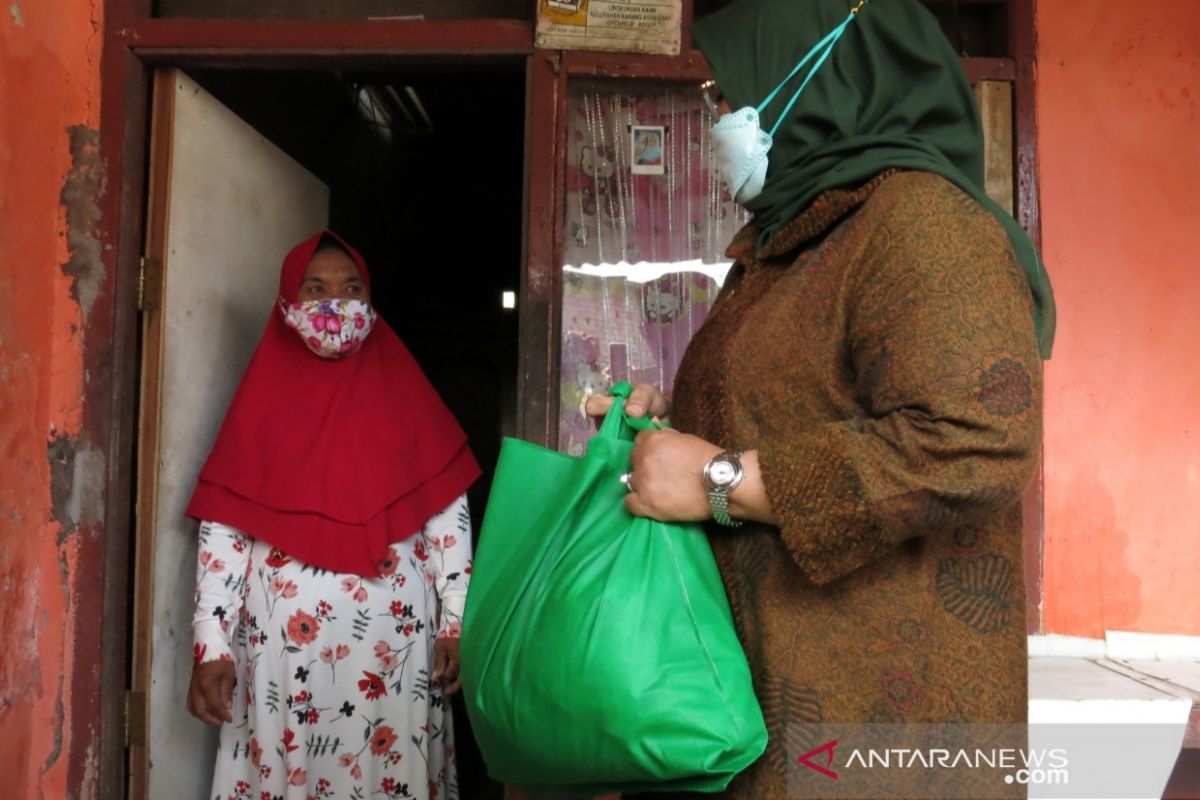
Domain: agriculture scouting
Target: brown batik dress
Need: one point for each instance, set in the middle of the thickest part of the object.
(880, 356)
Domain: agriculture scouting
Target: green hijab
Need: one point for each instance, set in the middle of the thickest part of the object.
(892, 94)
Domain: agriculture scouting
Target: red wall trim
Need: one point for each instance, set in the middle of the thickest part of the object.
(989, 69)
(693, 66)
(110, 363)
(541, 287)
(1023, 35)
(231, 37)
(1024, 38)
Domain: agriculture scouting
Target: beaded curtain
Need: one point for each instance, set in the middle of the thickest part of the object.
(644, 254)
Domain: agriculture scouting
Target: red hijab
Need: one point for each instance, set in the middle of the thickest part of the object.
(331, 461)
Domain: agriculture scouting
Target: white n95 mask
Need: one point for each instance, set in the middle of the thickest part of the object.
(741, 148)
(740, 145)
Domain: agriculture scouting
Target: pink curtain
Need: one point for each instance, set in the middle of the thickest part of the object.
(644, 253)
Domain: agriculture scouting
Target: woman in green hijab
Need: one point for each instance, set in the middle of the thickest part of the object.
(861, 411)
(894, 95)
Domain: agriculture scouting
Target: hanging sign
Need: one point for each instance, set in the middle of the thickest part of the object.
(631, 26)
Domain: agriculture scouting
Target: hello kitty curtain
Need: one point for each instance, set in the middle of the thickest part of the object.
(648, 223)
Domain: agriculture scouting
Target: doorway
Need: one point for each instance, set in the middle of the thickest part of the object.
(422, 171)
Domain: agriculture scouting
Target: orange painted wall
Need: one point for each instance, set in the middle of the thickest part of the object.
(49, 82)
(1119, 149)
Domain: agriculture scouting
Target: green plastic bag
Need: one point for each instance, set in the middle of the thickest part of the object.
(598, 649)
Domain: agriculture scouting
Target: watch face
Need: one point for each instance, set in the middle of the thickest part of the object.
(722, 473)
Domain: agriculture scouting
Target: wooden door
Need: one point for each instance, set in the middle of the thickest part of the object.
(225, 206)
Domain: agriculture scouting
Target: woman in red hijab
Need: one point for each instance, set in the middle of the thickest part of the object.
(335, 547)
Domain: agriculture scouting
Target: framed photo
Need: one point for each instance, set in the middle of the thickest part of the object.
(648, 144)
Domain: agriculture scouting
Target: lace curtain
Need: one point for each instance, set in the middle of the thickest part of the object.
(648, 223)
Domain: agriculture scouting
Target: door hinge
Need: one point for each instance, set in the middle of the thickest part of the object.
(135, 719)
(149, 271)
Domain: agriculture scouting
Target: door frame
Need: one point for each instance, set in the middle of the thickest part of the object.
(133, 44)
(134, 47)
(152, 298)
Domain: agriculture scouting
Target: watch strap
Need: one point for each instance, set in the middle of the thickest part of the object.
(718, 503)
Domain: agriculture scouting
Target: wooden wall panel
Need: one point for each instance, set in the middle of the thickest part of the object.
(996, 113)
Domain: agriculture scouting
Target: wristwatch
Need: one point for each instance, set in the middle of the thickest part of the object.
(721, 476)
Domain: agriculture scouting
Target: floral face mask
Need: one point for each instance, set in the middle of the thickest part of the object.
(330, 328)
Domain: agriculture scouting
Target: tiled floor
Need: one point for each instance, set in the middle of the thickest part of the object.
(1148, 700)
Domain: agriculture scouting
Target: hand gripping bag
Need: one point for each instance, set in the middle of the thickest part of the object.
(598, 650)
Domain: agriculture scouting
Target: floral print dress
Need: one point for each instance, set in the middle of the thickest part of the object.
(334, 697)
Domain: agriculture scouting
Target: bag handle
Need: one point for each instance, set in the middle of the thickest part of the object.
(616, 420)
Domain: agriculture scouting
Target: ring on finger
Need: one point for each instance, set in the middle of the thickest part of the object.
(627, 482)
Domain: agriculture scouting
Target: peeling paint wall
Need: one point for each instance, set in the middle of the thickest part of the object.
(50, 272)
(1119, 147)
